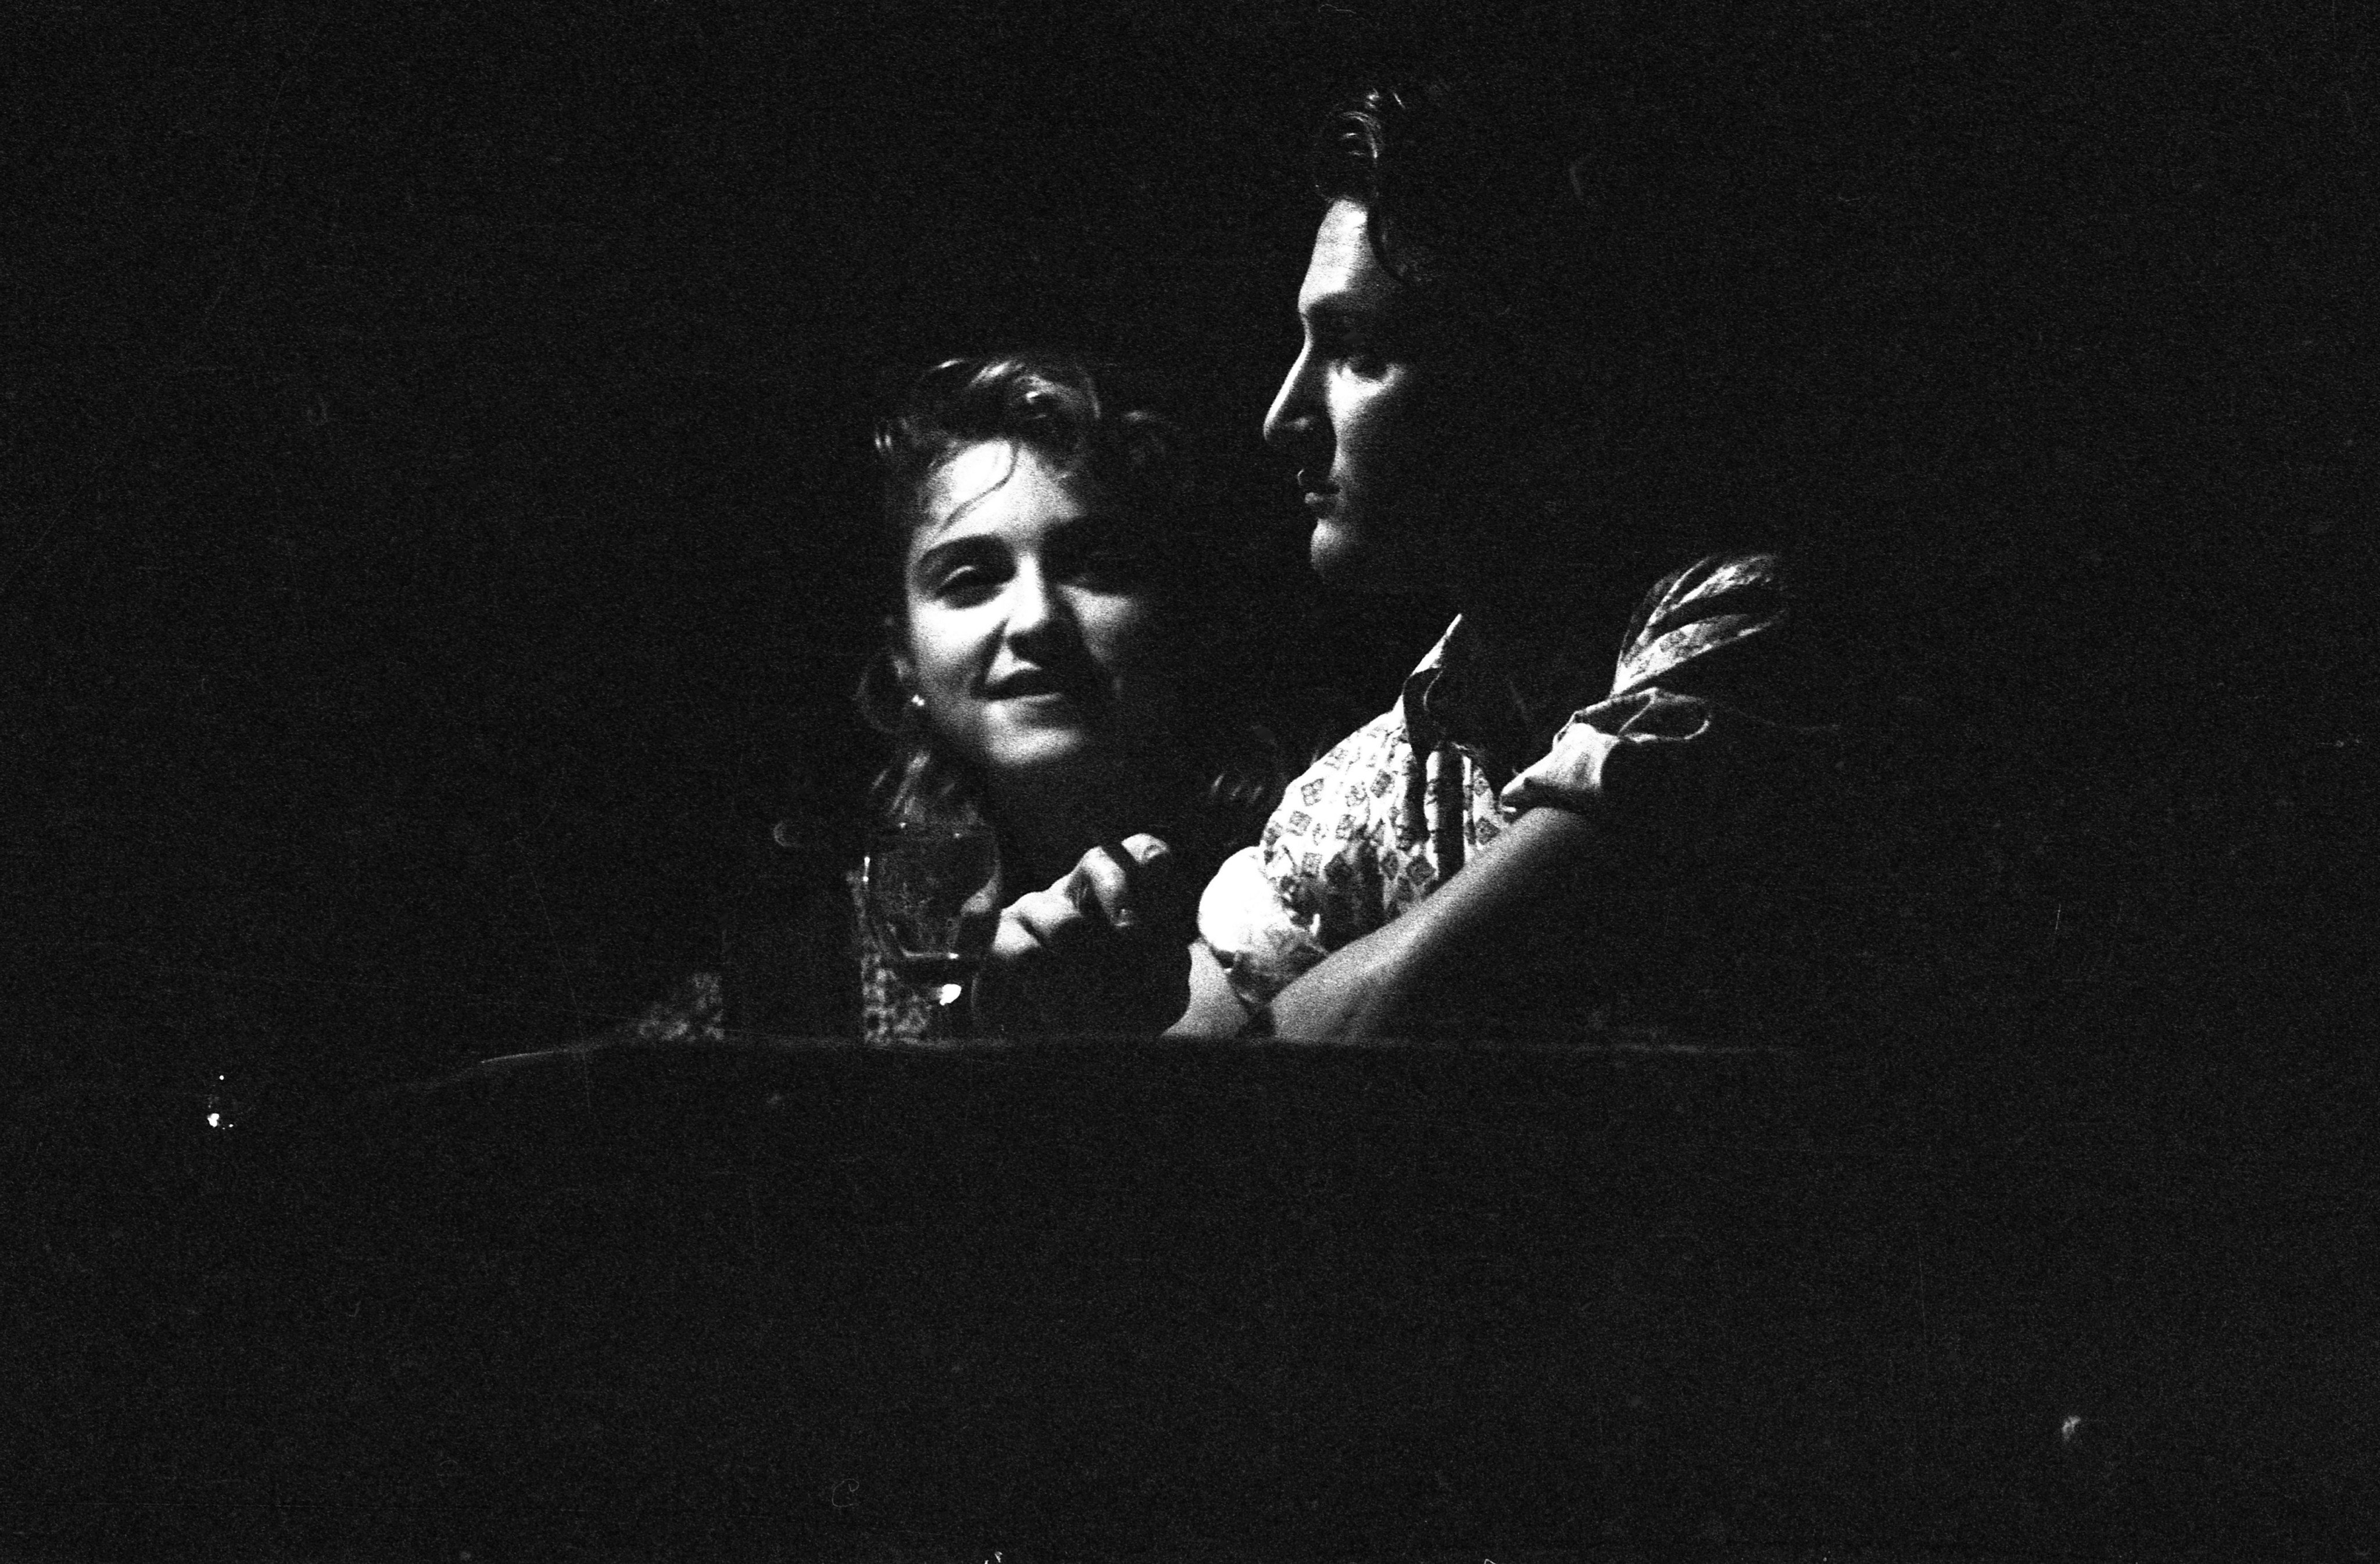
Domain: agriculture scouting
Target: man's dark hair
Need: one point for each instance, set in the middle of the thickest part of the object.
(1460, 201)
(1584, 211)
(1576, 172)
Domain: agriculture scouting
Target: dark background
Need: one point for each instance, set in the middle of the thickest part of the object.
(436, 442)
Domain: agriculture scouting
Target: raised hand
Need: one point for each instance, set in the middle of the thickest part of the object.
(1105, 948)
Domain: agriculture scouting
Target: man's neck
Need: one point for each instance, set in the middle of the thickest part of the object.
(1523, 625)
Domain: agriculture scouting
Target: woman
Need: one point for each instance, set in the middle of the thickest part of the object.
(1048, 555)
(1035, 678)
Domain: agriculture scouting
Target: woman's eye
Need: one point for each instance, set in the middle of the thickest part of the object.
(967, 582)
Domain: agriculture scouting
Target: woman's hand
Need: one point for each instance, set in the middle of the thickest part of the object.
(1119, 888)
(1105, 948)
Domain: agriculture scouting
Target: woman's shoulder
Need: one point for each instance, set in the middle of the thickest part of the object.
(695, 1011)
(793, 972)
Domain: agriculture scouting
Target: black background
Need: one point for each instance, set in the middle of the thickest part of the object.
(438, 447)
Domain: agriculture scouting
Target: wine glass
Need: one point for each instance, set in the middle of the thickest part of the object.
(931, 890)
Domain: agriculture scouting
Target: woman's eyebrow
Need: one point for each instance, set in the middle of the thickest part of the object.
(950, 551)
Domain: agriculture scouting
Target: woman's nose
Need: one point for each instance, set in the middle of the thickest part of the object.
(1035, 609)
(1289, 422)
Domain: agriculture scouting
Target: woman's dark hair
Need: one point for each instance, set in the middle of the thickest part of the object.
(1136, 459)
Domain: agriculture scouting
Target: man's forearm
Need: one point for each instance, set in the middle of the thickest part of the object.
(1527, 874)
(1214, 1009)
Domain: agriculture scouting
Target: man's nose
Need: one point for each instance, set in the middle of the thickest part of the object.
(1290, 421)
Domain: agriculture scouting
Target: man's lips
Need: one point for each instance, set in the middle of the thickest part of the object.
(1318, 490)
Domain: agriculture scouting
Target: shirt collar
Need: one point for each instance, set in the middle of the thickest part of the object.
(1461, 693)
(1421, 724)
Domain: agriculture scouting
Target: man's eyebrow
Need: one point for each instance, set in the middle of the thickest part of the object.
(1332, 309)
(1338, 312)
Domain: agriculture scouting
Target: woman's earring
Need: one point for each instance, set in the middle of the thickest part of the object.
(885, 702)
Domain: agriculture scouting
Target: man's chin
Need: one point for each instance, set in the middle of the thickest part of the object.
(1338, 555)
(1347, 561)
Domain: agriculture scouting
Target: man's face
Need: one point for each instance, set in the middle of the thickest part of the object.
(1367, 420)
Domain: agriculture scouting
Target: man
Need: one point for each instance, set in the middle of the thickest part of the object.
(1536, 830)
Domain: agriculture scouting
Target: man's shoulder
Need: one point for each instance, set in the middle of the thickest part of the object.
(1751, 582)
(1720, 603)
(1384, 737)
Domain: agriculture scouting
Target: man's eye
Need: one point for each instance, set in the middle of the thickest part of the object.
(1361, 354)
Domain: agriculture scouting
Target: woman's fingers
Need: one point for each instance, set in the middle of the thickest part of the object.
(1015, 942)
(1095, 951)
(1146, 850)
(1118, 882)
(1050, 919)
(1112, 888)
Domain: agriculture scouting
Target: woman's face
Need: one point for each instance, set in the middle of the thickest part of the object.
(1033, 621)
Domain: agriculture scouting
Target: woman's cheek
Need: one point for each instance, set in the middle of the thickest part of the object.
(1122, 634)
(958, 642)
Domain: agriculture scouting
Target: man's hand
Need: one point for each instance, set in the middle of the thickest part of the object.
(1105, 948)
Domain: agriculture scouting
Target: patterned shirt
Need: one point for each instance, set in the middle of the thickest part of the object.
(1660, 744)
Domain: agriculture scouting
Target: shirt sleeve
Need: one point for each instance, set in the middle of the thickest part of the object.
(1706, 730)
(1260, 943)
(1320, 878)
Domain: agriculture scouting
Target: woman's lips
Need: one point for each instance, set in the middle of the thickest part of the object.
(1030, 686)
